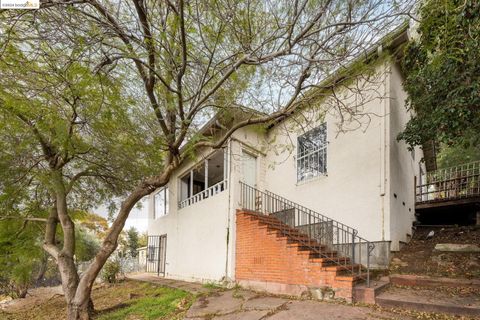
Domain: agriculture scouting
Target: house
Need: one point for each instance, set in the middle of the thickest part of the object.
(142, 257)
(298, 205)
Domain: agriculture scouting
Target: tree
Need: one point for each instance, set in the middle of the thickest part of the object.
(143, 239)
(69, 137)
(132, 241)
(186, 61)
(443, 75)
(93, 222)
(21, 257)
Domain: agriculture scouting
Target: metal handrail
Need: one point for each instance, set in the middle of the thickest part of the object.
(324, 231)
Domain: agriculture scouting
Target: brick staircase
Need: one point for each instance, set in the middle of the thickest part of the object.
(272, 256)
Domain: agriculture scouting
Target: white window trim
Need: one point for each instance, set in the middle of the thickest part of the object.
(166, 203)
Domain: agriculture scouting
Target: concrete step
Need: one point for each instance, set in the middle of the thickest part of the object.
(426, 281)
(367, 294)
(426, 300)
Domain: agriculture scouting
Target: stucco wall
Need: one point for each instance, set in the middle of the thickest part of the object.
(351, 190)
(196, 235)
(404, 165)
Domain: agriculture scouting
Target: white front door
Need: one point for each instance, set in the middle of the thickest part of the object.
(249, 164)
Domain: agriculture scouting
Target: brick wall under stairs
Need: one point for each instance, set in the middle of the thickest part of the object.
(274, 257)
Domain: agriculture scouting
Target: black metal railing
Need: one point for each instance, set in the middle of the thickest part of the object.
(332, 240)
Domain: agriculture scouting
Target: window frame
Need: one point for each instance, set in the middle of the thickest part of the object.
(166, 203)
(319, 151)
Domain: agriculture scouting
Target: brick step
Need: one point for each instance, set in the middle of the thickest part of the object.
(348, 277)
(292, 241)
(315, 254)
(432, 300)
(344, 267)
(285, 233)
(325, 262)
(309, 261)
(305, 246)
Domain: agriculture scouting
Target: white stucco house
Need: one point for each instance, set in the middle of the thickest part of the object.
(362, 178)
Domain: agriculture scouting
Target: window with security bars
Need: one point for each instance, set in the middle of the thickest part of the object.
(312, 153)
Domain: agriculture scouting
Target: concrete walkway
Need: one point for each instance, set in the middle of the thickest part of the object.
(239, 304)
(248, 305)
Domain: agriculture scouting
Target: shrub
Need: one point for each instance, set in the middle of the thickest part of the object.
(110, 271)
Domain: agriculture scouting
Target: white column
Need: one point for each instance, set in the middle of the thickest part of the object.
(206, 174)
(225, 162)
(191, 183)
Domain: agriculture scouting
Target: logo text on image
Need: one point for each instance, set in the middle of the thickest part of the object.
(19, 4)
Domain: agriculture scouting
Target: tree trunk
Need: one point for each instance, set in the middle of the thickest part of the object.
(22, 292)
(80, 311)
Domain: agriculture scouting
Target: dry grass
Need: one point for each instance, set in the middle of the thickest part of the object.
(124, 300)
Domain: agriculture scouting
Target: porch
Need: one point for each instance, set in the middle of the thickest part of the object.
(206, 179)
(456, 188)
(450, 186)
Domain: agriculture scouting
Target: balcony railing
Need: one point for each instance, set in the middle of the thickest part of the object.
(452, 183)
(324, 230)
(207, 193)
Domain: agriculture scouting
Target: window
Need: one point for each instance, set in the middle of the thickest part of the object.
(206, 179)
(312, 153)
(160, 200)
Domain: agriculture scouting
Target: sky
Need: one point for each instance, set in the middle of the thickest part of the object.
(138, 217)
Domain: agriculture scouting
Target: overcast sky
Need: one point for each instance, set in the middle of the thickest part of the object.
(138, 217)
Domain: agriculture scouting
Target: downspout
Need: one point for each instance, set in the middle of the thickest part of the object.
(229, 181)
(384, 147)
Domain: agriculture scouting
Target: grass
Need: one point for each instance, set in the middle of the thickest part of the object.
(212, 286)
(157, 303)
(124, 300)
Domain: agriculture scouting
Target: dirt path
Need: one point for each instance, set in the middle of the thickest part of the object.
(35, 297)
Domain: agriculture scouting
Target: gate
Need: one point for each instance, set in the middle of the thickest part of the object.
(156, 254)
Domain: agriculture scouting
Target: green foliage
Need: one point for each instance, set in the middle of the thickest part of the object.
(132, 241)
(143, 240)
(443, 74)
(96, 224)
(111, 270)
(20, 255)
(92, 123)
(450, 156)
(87, 245)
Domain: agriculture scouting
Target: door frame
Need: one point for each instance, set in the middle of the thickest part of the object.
(253, 155)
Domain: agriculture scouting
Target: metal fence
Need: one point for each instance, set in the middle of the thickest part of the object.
(353, 252)
(452, 183)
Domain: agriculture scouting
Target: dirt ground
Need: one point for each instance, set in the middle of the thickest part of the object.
(34, 298)
(419, 257)
(48, 303)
